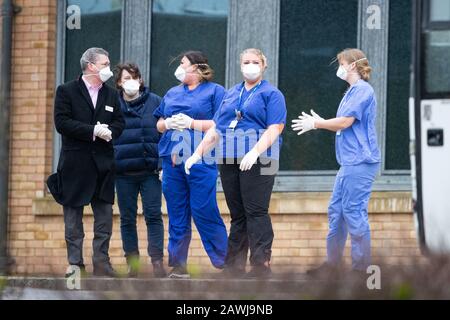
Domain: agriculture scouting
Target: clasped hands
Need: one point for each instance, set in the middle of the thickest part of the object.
(101, 131)
(178, 122)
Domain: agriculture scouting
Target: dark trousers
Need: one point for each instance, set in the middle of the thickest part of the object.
(128, 188)
(74, 233)
(248, 197)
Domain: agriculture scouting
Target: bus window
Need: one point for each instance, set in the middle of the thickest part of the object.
(436, 50)
(439, 10)
(437, 67)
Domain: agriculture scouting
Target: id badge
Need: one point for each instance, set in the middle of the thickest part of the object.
(233, 124)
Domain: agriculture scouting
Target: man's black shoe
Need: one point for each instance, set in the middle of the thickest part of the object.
(105, 271)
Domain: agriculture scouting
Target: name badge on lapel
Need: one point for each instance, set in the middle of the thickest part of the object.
(109, 109)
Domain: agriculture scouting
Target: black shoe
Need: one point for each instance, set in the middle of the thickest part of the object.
(73, 269)
(259, 272)
(179, 272)
(134, 265)
(105, 271)
(232, 273)
(158, 269)
(324, 270)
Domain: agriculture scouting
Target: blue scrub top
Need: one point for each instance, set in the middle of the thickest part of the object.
(260, 107)
(200, 104)
(358, 143)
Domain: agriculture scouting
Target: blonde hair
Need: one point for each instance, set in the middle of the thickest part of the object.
(256, 52)
(360, 59)
(205, 71)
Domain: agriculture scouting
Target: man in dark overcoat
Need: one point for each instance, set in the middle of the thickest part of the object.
(88, 116)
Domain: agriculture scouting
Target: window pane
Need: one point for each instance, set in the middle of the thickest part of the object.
(440, 10)
(100, 27)
(312, 33)
(399, 60)
(437, 66)
(181, 25)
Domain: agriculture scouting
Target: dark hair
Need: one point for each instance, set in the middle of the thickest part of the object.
(132, 69)
(199, 59)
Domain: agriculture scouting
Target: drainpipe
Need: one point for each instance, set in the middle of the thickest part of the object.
(6, 14)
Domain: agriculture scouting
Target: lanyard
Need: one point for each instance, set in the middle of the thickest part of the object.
(238, 111)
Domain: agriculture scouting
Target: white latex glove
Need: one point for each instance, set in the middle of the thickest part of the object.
(102, 131)
(305, 122)
(171, 124)
(190, 162)
(249, 160)
(183, 121)
(315, 115)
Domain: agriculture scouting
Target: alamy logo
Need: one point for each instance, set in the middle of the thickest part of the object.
(373, 22)
(73, 21)
(374, 280)
(73, 278)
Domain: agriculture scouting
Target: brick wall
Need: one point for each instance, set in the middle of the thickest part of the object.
(299, 243)
(300, 227)
(36, 223)
(33, 77)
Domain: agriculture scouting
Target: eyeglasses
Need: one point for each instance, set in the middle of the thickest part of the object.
(106, 64)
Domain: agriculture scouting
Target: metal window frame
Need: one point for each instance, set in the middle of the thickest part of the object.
(240, 31)
(375, 43)
(427, 24)
(427, 27)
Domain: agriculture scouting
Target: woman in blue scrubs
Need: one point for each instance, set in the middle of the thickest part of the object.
(248, 125)
(359, 158)
(185, 112)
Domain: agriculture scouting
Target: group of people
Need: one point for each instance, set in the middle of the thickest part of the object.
(132, 142)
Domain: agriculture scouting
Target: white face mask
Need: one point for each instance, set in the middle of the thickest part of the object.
(131, 87)
(251, 71)
(180, 74)
(105, 74)
(343, 73)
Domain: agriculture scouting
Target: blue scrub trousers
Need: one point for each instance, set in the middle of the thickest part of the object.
(347, 213)
(193, 196)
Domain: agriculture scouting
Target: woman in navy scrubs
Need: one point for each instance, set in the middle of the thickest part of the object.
(186, 111)
(248, 123)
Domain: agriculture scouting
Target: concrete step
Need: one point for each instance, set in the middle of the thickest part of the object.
(282, 287)
(165, 284)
